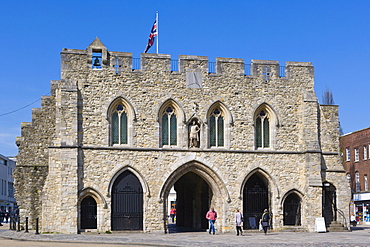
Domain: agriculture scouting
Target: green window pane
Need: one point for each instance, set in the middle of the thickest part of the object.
(212, 131)
(165, 130)
(258, 133)
(220, 132)
(124, 128)
(266, 133)
(173, 130)
(115, 128)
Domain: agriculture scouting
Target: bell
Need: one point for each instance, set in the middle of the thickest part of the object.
(97, 62)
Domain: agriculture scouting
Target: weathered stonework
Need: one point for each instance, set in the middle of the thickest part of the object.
(66, 153)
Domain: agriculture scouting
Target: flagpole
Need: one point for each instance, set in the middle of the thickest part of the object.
(156, 18)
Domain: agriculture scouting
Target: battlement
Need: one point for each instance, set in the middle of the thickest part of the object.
(97, 57)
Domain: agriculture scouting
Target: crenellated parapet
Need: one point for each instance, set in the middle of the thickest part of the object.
(97, 58)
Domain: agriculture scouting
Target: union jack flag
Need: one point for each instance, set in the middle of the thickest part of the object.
(152, 35)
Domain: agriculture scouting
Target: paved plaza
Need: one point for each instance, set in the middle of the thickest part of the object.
(359, 236)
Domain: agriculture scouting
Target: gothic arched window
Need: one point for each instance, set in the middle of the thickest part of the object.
(119, 125)
(169, 127)
(216, 128)
(262, 130)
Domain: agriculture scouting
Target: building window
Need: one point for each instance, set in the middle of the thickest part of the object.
(348, 154)
(169, 127)
(3, 187)
(3, 162)
(10, 189)
(216, 128)
(119, 125)
(366, 188)
(357, 177)
(356, 155)
(262, 130)
(365, 153)
(349, 178)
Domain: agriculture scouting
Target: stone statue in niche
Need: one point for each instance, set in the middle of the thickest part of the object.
(194, 135)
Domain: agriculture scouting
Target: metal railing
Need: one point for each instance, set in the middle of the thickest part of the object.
(282, 71)
(247, 69)
(174, 65)
(135, 63)
(211, 67)
(341, 213)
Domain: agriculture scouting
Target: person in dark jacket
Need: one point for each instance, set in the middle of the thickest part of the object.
(2, 215)
(264, 221)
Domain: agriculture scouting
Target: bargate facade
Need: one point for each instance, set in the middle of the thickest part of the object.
(110, 142)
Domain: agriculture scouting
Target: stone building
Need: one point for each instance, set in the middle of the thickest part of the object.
(355, 149)
(110, 142)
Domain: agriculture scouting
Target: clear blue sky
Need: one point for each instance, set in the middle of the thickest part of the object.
(333, 35)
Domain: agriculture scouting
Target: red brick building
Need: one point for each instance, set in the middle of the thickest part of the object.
(355, 148)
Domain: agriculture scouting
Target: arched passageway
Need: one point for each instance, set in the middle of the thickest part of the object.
(127, 203)
(292, 210)
(255, 200)
(193, 201)
(88, 213)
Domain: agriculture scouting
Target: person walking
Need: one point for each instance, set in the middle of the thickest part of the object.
(2, 215)
(264, 221)
(211, 216)
(6, 216)
(238, 222)
(173, 214)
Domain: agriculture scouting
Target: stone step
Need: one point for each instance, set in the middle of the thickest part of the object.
(293, 229)
(336, 226)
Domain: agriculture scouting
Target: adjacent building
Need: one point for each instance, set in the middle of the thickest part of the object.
(355, 148)
(117, 134)
(7, 200)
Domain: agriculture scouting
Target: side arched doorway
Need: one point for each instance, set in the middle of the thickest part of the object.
(329, 205)
(193, 201)
(255, 200)
(88, 213)
(292, 210)
(127, 203)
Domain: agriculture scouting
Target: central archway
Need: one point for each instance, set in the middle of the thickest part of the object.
(197, 188)
(193, 201)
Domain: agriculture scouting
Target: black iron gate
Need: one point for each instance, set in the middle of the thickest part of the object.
(127, 203)
(329, 205)
(88, 213)
(255, 201)
(292, 210)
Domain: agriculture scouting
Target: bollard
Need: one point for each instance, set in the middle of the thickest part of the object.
(10, 223)
(26, 225)
(37, 226)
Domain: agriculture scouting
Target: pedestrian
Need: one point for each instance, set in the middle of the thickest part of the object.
(238, 222)
(6, 216)
(2, 215)
(172, 214)
(211, 216)
(264, 221)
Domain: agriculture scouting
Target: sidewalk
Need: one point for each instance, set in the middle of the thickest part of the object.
(359, 236)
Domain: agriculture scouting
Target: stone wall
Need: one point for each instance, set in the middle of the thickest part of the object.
(32, 160)
(81, 160)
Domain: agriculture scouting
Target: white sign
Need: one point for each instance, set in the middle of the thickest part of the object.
(320, 225)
